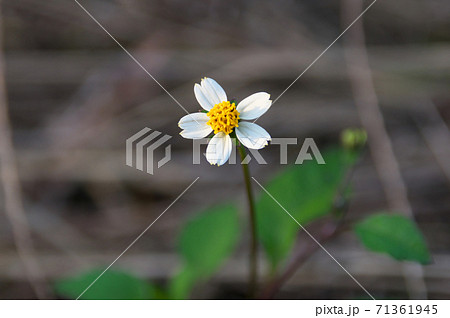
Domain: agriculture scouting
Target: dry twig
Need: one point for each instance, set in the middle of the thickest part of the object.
(12, 193)
(386, 164)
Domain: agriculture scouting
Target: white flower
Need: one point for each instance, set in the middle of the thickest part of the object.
(222, 117)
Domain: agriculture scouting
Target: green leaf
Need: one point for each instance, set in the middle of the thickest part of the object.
(182, 283)
(395, 235)
(206, 241)
(115, 285)
(307, 192)
(209, 238)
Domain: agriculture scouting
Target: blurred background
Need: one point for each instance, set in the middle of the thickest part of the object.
(74, 97)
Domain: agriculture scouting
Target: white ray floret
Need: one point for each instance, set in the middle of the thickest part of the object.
(222, 118)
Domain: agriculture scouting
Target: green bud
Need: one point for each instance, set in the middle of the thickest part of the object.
(353, 138)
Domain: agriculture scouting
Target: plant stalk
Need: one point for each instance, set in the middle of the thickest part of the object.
(253, 261)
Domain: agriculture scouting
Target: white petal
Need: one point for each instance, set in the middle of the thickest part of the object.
(203, 98)
(196, 134)
(219, 149)
(193, 121)
(194, 126)
(252, 135)
(214, 90)
(254, 106)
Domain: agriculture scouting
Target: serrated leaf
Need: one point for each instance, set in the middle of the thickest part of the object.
(113, 285)
(307, 191)
(395, 235)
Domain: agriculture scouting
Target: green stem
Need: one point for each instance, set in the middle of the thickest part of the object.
(253, 274)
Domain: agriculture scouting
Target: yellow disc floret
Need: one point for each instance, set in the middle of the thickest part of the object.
(223, 117)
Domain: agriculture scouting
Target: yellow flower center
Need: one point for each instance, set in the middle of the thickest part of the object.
(223, 117)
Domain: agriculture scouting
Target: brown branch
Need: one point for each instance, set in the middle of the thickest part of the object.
(328, 231)
(11, 187)
(436, 135)
(381, 148)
